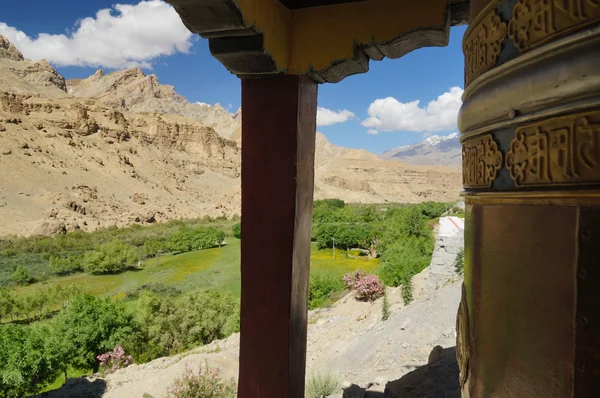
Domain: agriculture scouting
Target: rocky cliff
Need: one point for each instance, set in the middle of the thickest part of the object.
(134, 91)
(120, 148)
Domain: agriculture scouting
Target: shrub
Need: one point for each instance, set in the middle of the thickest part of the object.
(414, 223)
(404, 259)
(351, 278)
(202, 383)
(90, 326)
(401, 261)
(385, 307)
(321, 385)
(7, 303)
(407, 291)
(153, 248)
(365, 287)
(322, 289)
(369, 288)
(237, 230)
(345, 236)
(433, 209)
(27, 362)
(66, 265)
(112, 257)
(188, 239)
(159, 288)
(21, 276)
(173, 325)
(114, 360)
(459, 261)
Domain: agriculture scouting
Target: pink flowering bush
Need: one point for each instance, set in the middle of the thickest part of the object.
(365, 286)
(202, 383)
(114, 360)
(351, 278)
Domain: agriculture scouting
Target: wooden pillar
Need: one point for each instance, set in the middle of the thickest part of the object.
(529, 320)
(278, 141)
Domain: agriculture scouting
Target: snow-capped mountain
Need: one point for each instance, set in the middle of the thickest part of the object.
(435, 150)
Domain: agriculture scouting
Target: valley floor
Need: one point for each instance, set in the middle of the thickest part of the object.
(217, 268)
(348, 339)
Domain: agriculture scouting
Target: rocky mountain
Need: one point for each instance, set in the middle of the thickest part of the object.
(120, 148)
(134, 91)
(435, 150)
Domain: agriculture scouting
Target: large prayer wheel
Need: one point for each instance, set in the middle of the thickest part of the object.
(529, 322)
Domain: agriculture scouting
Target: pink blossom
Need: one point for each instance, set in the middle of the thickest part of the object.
(366, 287)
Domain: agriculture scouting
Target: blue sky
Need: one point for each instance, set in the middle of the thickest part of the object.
(374, 111)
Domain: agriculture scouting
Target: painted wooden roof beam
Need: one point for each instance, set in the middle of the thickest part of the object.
(326, 40)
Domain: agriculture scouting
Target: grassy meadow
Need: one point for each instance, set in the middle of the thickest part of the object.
(68, 300)
(216, 268)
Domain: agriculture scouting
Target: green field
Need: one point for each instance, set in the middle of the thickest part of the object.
(217, 268)
(169, 304)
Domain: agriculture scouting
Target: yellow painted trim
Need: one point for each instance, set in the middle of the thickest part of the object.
(325, 34)
(274, 20)
(317, 36)
(562, 197)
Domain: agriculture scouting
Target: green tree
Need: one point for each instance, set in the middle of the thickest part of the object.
(90, 326)
(345, 236)
(111, 257)
(237, 230)
(325, 210)
(153, 248)
(27, 361)
(21, 276)
(173, 325)
(66, 265)
(188, 239)
(413, 224)
(433, 209)
(7, 304)
(322, 288)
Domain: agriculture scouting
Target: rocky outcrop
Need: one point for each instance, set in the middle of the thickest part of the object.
(42, 74)
(351, 185)
(8, 50)
(325, 151)
(134, 91)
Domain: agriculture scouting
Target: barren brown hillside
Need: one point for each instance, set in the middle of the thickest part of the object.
(120, 148)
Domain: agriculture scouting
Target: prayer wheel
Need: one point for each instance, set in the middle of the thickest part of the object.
(529, 321)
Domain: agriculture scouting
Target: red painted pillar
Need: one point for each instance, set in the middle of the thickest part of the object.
(278, 141)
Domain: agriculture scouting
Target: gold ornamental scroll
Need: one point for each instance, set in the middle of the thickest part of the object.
(537, 21)
(481, 161)
(482, 45)
(563, 150)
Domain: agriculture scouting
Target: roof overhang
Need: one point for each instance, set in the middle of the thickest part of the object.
(326, 40)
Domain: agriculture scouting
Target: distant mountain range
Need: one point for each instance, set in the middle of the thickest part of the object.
(435, 150)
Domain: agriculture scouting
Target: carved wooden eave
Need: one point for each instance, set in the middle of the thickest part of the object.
(326, 40)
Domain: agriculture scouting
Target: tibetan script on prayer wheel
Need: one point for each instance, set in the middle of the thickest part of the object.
(559, 151)
(537, 21)
(481, 161)
(482, 45)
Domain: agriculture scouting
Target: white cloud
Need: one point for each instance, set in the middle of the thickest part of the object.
(389, 114)
(372, 131)
(122, 36)
(327, 117)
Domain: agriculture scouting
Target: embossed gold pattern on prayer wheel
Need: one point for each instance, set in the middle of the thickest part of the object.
(529, 321)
